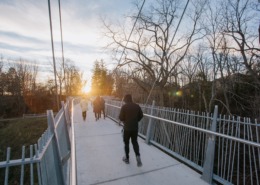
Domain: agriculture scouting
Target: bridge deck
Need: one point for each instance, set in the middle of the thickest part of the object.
(99, 152)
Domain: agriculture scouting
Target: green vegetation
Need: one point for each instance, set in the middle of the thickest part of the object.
(102, 80)
(15, 133)
(18, 132)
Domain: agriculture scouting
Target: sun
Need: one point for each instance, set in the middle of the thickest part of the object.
(86, 88)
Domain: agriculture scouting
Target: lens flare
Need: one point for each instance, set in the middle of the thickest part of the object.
(179, 93)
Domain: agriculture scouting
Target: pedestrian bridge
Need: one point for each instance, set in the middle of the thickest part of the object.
(99, 152)
(176, 146)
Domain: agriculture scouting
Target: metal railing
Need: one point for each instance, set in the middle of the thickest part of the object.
(225, 150)
(48, 162)
(73, 167)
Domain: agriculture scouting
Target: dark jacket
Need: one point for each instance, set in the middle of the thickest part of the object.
(130, 114)
(102, 103)
(96, 105)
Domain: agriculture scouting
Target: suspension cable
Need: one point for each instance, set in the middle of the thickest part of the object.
(53, 56)
(168, 48)
(61, 35)
(179, 23)
(131, 31)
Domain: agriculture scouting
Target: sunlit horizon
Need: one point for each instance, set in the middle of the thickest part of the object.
(87, 87)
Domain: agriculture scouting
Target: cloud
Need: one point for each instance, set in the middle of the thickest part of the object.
(25, 29)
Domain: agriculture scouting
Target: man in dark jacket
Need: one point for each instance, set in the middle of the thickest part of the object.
(102, 106)
(130, 114)
(97, 107)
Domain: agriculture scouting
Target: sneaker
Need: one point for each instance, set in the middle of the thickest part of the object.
(139, 162)
(126, 160)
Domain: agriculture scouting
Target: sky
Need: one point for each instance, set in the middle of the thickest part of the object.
(25, 31)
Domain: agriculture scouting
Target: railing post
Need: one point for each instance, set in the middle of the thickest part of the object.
(56, 149)
(210, 152)
(66, 126)
(150, 126)
(73, 165)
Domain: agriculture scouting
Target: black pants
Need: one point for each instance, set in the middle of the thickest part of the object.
(84, 115)
(97, 114)
(133, 135)
(103, 111)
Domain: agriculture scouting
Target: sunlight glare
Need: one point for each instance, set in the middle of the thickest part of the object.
(86, 88)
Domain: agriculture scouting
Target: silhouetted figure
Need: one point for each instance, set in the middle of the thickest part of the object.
(130, 114)
(84, 107)
(102, 106)
(97, 107)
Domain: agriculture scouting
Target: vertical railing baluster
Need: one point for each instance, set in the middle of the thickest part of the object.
(31, 164)
(230, 148)
(254, 151)
(43, 161)
(222, 148)
(164, 141)
(219, 140)
(149, 131)
(234, 152)
(238, 148)
(226, 148)
(257, 140)
(199, 140)
(244, 156)
(38, 165)
(249, 152)
(165, 126)
(187, 136)
(194, 133)
(22, 166)
(8, 153)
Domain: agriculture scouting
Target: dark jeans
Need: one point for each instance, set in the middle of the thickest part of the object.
(84, 114)
(98, 115)
(133, 134)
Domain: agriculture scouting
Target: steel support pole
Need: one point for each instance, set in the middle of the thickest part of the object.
(210, 151)
(53, 57)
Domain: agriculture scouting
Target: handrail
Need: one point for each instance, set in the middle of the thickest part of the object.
(208, 131)
(73, 172)
(55, 138)
(228, 154)
(202, 130)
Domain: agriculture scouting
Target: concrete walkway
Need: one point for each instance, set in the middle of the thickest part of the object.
(99, 152)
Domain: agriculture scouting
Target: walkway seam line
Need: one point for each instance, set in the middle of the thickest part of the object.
(135, 174)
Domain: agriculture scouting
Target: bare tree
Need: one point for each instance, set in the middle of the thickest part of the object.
(60, 72)
(236, 20)
(157, 47)
(1, 63)
(73, 79)
(189, 68)
(2, 76)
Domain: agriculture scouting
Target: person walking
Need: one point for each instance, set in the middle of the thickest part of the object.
(130, 114)
(102, 106)
(84, 107)
(97, 107)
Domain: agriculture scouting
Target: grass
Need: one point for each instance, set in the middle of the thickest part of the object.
(18, 132)
(15, 133)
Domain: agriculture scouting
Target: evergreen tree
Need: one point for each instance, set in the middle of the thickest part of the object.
(102, 81)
